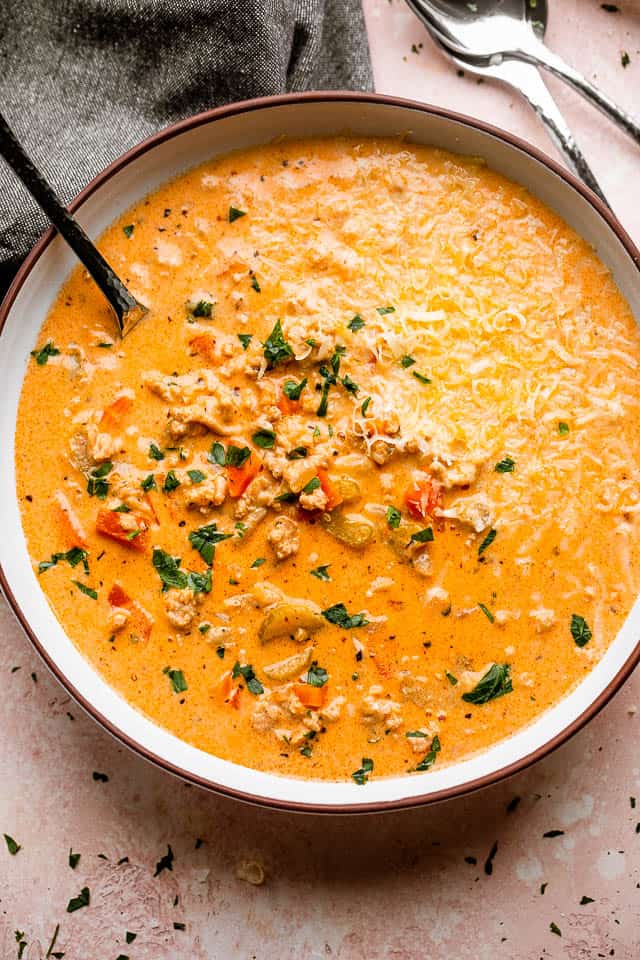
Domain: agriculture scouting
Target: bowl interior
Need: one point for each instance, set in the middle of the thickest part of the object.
(126, 182)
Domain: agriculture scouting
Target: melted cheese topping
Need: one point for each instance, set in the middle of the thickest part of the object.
(469, 494)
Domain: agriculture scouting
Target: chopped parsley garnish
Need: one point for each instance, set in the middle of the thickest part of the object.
(488, 540)
(287, 497)
(420, 376)
(246, 671)
(422, 536)
(306, 750)
(178, 681)
(563, 428)
(82, 900)
(338, 615)
(320, 573)
(245, 339)
(553, 833)
(329, 379)
(171, 482)
(407, 361)
(625, 59)
(258, 562)
(155, 452)
(356, 323)
(254, 283)
(580, 630)
(385, 310)
(313, 484)
(12, 846)
(298, 453)
(362, 775)
(22, 943)
(490, 617)
(236, 456)
(338, 353)
(42, 355)
(349, 385)
(149, 483)
(130, 937)
(204, 540)
(585, 900)
(316, 676)
(266, 439)
(128, 230)
(168, 569)
(166, 862)
(74, 859)
(276, 349)
(100, 777)
(104, 345)
(431, 756)
(97, 485)
(220, 651)
(88, 591)
(555, 929)
(495, 683)
(235, 214)
(506, 465)
(292, 390)
(450, 677)
(203, 308)
(241, 529)
(217, 454)
(196, 476)
(394, 517)
(73, 557)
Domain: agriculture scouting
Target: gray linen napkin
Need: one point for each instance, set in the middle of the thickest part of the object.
(83, 80)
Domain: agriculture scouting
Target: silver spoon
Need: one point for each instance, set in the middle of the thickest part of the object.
(128, 312)
(526, 79)
(512, 30)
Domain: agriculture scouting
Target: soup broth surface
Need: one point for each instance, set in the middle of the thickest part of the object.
(359, 495)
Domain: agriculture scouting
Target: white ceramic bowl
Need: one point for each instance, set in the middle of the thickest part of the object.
(126, 181)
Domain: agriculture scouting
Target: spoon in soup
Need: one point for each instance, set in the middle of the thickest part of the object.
(128, 311)
(499, 30)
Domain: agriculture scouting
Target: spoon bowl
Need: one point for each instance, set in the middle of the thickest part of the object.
(486, 28)
(498, 30)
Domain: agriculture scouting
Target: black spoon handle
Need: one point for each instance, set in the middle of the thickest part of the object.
(114, 290)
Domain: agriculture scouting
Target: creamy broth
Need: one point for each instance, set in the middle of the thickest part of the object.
(359, 495)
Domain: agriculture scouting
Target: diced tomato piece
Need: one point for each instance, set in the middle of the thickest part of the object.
(311, 697)
(118, 597)
(109, 524)
(73, 531)
(287, 406)
(114, 414)
(332, 495)
(204, 344)
(230, 692)
(423, 498)
(140, 622)
(239, 478)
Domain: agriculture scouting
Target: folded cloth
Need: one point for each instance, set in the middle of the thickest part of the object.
(81, 81)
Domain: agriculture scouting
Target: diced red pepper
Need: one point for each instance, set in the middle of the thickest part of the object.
(423, 498)
(239, 478)
(109, 524)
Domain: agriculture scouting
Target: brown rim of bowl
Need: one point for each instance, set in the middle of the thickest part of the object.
(247, 106)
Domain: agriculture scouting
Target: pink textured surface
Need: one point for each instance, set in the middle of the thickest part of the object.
(396, 887)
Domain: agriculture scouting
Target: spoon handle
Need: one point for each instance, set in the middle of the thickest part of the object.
(526, 78)
(122, 302)
(540, 55)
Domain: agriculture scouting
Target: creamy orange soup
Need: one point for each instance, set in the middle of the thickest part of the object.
(359, 495)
